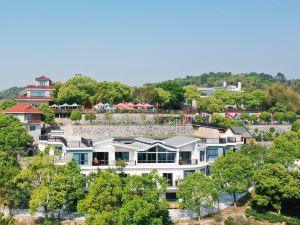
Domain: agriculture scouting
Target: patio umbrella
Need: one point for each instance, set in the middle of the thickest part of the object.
(147, 105)
(64, 105)
(139, 105)
(100, 104)
(130, 104)
(54, 106)
(120, 105)
(75, 105)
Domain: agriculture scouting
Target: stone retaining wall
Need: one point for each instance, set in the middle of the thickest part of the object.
(265, 128)
(94, 131)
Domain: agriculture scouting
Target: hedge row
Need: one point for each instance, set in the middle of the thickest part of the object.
(271, 217)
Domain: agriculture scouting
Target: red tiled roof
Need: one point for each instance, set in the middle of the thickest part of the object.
(23, 108)
(40, 87)
(42, 78)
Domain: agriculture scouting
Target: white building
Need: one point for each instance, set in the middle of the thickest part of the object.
(174, 158)
(29, 116)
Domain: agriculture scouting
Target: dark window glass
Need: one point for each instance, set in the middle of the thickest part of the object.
(187, 172)
(122, 156)
(81, 158)
(202, 156)
(169, 177)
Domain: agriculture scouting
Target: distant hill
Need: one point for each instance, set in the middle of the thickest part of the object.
(11, 92)
(250, 81)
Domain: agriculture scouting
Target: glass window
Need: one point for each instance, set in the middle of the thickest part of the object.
(81, 158)
(211, 153)
(32, 128)
(100, 158)
(169, 177)
(202, 156)
(38, 93)
(187, 172)
(156, 154)
(122, 156)
(43, 83)
(185, 158)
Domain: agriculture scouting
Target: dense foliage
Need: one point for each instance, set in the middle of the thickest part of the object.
(134, 200)
(13, 135)
(48, 114)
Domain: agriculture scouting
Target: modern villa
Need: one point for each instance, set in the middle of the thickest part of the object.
(38, 93)
(174, 158)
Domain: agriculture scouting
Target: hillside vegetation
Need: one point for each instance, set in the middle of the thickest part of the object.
(10, 93)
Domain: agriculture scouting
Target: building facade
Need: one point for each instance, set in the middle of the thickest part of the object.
(29, 117)
(174, 158)
(38, 93)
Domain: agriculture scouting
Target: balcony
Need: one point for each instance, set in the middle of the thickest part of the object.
(231, 139)
(83, 143)
(100, 162)
(188, 161)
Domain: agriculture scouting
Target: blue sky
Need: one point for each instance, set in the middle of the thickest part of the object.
(145, 41)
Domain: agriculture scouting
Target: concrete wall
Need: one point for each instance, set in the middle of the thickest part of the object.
(95, 131)
(207, 132)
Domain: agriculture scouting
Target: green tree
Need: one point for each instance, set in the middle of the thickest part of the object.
(101, 205)
(258, 154)
(255, 100)
(13, 135)
(217, 118)
(296, 126)
(244, 116)
(210, 104)
(176, 93)
(48, 114)
(191, 93)
(270, 186)
(141, 201)
(76, 115)
(291, 116)
(197, 191)
(79, 89)
(265, 116)
(50, 194)
(233, 172)
(285, 148)
(75, 183)
(253, 118)
(10, 194)
(112, 92)
(145, 94)
(71, 94)
(113, 199)
(7, 103)
(215, 108)
(279, 116)
(164, 97)
(90, 116)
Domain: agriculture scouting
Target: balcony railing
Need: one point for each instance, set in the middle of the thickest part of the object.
(100, 162)
(188, 162)
(231, 139)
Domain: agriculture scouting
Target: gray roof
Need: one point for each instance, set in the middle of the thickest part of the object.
(241, 131)
(101, 139)
(148, 140)
(179, 141)
(136, 145)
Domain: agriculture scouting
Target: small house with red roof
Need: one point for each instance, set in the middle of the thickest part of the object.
(29, 116)
(38, 93)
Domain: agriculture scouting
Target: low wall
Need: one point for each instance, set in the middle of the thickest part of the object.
(94, 131)
(265, 128)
